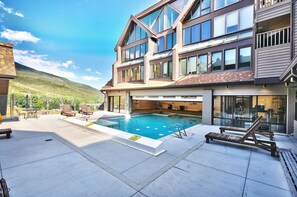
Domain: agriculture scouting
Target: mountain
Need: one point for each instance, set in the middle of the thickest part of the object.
(39, 83)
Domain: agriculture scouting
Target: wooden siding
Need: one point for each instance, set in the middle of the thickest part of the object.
(273, 11)
(272, 61)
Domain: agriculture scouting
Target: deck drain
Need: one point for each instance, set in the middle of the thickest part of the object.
(48, 140)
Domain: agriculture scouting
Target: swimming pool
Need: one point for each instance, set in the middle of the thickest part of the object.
(153, 126)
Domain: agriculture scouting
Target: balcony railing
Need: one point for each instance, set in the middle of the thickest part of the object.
(267, 3)
(273, 38)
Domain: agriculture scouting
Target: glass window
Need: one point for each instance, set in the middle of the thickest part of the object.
(216, 61)
(158, 71)
(171, 17)
(205, 7)
(196, 33)
(218, 4)
(246, 17)
(165, 69)
(187, 36)
(141, 73)
(133, 74)
(123, 76)
(230, 59)
(131, 37)
(169, 39)
(196, 11)
(138, 32)
(229, 2)
(143, 34)
(245, 57)
(137, 51)
(127, 55)
(161, 44)
(149, 19)
(159, 24)
(202, 64)
(138, 73)
(232, 22)
(183, 67)
(143, 49)
(206, 30)
(192, 65)
(131, 52)
(170, 69)
(174, 39)
(219, 26)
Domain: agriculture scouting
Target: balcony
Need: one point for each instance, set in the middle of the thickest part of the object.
(272, 53)
(268, 9)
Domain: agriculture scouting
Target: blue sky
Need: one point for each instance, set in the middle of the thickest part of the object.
(69, 38)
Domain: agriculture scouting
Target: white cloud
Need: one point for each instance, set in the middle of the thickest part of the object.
(68, 63)
(90, 78)
(18, 36)
(89, 69)
(98, 73)
(39, 62)
(10, 10)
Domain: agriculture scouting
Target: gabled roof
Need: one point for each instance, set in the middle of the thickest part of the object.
(153, 8)
(7, 67)
(138, 22)
(184, 13)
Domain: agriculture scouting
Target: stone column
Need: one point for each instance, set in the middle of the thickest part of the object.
(128, 103)
(207, 107)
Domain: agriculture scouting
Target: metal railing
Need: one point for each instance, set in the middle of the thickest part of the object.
(273, 38)
(267, 3)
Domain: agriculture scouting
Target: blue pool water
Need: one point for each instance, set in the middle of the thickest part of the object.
(153, 126)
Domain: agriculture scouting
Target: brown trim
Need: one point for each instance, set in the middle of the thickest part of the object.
(164, 59)
(221, 47)
(119, 69)
(134, 44)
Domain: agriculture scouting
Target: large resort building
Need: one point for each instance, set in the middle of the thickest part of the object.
(229, 61)
(7, 72)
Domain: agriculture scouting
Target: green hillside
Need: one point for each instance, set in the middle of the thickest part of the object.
(40, 84)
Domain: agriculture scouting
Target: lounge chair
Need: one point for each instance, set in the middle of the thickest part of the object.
(6, 132)
(265, 133)
(85, 109)
(249, 139)
(67, 111)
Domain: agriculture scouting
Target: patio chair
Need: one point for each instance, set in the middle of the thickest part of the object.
(21, 113)
(85, 109)
(67, 111)
(6, 132)
(265, 133)
(248, 139)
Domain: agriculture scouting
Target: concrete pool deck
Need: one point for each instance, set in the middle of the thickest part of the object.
(79, 162)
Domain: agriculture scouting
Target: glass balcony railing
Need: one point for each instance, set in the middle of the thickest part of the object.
(273, 38)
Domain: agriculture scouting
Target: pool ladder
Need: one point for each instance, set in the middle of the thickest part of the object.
(178, 129)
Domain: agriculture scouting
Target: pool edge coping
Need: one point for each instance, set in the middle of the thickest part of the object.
(145, 144)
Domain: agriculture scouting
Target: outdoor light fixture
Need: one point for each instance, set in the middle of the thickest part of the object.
(292, 79)
(286, 84)
(264, 85)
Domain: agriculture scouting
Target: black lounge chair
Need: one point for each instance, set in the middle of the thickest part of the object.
(6, 132)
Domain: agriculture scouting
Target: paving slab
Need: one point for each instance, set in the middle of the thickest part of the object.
(67, 175)
(190, 179)
(138, 194)
(266, 169)
(116, 156)
(147, 168)
(231, 161)
(20, 151)
(255, 189)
